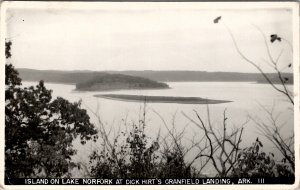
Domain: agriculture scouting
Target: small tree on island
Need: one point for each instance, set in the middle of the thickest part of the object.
(39, 131)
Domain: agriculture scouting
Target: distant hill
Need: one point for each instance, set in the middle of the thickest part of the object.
(203, 76)
(55, 76)
(74, 77)
(107, 81)
(287, 79)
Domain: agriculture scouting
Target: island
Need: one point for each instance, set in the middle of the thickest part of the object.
(111, 82)
(161, 99)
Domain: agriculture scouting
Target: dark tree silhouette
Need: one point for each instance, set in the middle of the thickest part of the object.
(39, 131)
(7, 49)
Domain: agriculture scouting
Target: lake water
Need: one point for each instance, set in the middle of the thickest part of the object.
(247, 99)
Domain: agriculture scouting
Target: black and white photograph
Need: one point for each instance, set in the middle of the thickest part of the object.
(150, 93)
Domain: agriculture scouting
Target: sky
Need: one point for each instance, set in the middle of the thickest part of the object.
(146, 38)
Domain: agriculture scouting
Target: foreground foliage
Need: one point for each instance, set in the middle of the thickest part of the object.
(135, 155)
(39, 130)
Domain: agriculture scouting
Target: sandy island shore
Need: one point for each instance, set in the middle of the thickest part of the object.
(161, 99)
